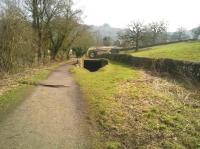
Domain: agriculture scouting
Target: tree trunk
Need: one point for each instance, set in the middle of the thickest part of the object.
(137, 45)
(34, 13)
(39, 46)
(53, 54)
(154, 39)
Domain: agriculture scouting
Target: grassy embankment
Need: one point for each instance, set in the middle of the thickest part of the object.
(20, 85)
(133, 109)
(188, 51)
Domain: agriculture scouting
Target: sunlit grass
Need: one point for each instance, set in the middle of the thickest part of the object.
(133, 108)
(188, 51)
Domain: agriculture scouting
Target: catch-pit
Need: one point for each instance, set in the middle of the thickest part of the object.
(95, 64)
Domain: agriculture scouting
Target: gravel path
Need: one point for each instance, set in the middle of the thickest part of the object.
(50, 118)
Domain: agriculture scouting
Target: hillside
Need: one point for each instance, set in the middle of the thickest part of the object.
(106, 30)
(188, 51)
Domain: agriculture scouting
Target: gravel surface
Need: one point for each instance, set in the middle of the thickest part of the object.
(52, 117)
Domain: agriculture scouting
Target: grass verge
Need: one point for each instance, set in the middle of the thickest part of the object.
(136, 110)
(13, 95)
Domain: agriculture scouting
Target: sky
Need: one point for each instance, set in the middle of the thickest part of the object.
(119, 13)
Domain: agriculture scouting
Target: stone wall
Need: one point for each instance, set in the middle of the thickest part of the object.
(176, 68)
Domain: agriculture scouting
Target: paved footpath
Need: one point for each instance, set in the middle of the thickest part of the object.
(52, 117)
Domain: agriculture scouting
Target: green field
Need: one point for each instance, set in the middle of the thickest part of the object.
(188, 51)
(134, 109)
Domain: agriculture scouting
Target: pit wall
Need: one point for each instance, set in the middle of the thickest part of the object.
(95, 64)
(181, 69)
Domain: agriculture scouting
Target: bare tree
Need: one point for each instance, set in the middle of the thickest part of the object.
(64, 38)
(64, 30)
(134, 34)
(156, 29)
(85, 39)
(180, 34)
(196, 32)
(55, 26)
(43, 12)
(53, 21)
(98, 38)
(107, 41)
(16, 38)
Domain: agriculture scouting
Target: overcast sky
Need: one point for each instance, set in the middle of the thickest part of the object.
(119, 13)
